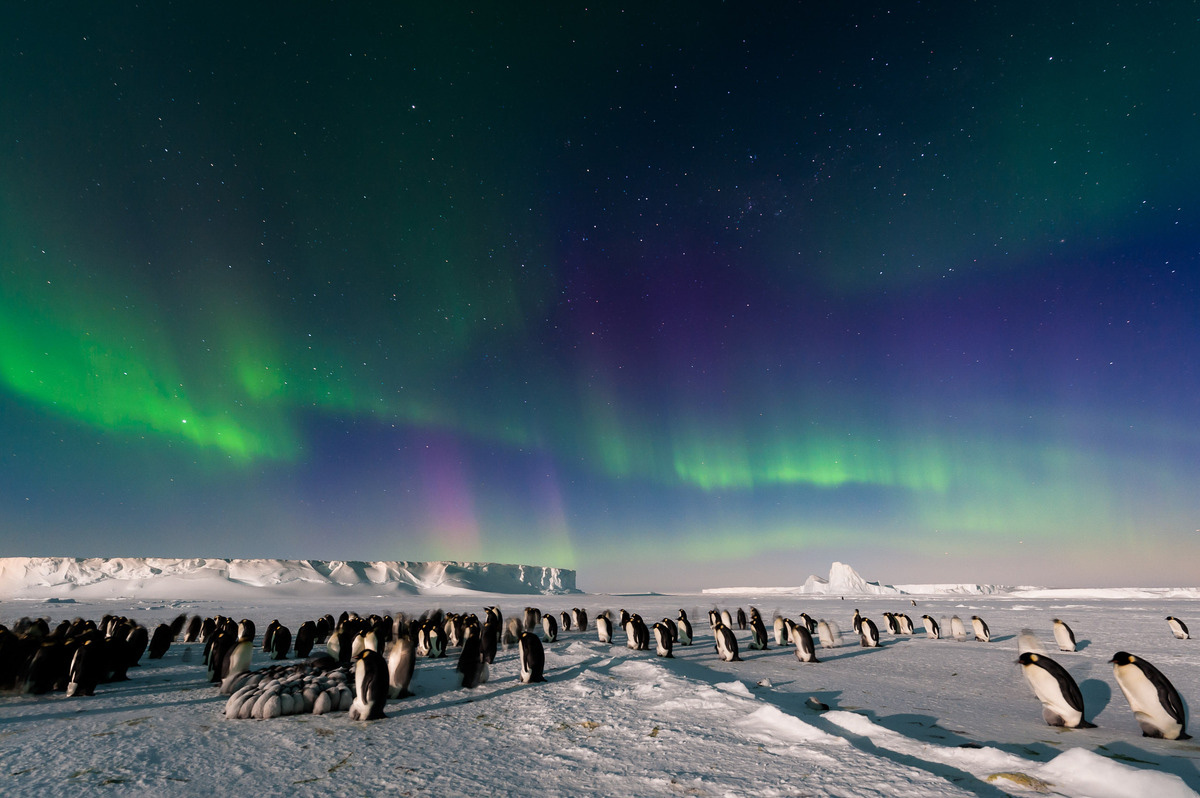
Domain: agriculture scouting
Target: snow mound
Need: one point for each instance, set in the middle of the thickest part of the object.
(148, 577)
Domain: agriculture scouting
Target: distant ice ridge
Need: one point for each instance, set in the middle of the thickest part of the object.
(58, 577)
(845, 581)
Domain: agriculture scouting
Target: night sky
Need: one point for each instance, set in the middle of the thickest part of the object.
(679, 295)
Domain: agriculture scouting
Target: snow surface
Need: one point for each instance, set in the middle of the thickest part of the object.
(914, 717)
(148, 577)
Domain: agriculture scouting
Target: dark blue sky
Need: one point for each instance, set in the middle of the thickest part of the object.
(678, 296)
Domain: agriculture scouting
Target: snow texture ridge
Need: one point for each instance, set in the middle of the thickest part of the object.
(57, 577)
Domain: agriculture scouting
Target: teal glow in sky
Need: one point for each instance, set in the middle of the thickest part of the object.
(677, 296)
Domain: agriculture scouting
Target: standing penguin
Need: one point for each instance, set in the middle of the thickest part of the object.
(868, 633)
(1062, 703)
(637, 635)
(932, 630)
(472, 667)
(982, 633)
(741, 618)
(1154, 700)
(87, 668)
(370, 686)
(803, 641)
(683, 628)
(564, 620)
(281, 642)
(532, 657)
(579, 617)
(827, 634)
(550, 627)
(1178, 628)
(663, 640)
(160, 641)
(856, 622)
(758, 633)
(402, 661)
(1063, 636)
(727, 647)
(957, 630)
(306, 636)
(604, 629)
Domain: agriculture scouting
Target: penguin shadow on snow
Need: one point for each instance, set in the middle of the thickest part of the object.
(1184, 766)
(1096, 696)
(796, 705)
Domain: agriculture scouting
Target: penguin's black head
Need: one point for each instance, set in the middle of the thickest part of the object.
(1123, 658)
(1028, 658)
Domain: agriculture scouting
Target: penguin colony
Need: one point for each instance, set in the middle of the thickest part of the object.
(369, 661)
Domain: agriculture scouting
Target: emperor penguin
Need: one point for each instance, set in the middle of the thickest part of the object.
(809, 621)
(868, 633)
(758, 633)
(281, 642)
(957, 630)
(532, 657)
(1178, 628)
(982, 633)
(1062, 703)
(684, 628)
(370, 686)
(932, 630)
(727, 647)
(490, 638)
(306, 637)
(472, 667)
(663, 640)
(741, 618)
(160, 641)
(269, 635)
(906, 624)
(604, 630)
(1063, 636)
(828, 634)
(579, 618)
(238, 660)
(637, 633)
(86, 669)
(512, 632)
(803, 641)
(193, 629)
(857, 622)
(893, 622)
(550, 627)
(727, 619)
(781, 630)
(402, 661)
(533, 618)
(1154, 700)
(564, 620)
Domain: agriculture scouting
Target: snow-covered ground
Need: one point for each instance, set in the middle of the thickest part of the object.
(914, 717)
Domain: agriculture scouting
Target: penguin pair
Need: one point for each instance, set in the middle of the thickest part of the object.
(1154, 700)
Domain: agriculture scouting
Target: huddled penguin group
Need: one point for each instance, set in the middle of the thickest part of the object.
(77, 656)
